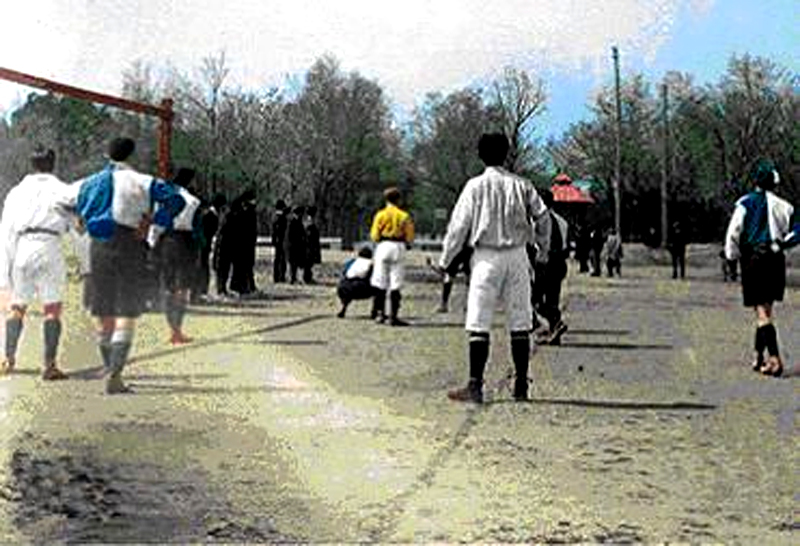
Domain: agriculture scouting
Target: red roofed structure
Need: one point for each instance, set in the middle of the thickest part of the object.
(565, 192)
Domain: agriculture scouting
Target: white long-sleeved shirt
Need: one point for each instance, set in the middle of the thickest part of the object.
(497, 209)
(30, 205)
(744, 229)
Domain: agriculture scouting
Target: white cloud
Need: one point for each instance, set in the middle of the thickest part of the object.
(411, 47)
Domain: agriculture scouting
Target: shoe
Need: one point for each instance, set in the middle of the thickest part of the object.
(114, 385)
(521, 390)
(7, 367)
(380, 319)
(340, 314)
(442, 309)
(51, 373)
(397, 322)
(179, 338)
(473, 392)
(758, 364)
(774, 367)
(554, 337)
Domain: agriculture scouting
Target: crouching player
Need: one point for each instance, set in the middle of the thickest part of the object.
(355, 282)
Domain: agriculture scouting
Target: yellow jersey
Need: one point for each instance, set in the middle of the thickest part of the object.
(392, 224)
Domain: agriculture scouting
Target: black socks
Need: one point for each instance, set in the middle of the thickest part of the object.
(478, 355)
(13, 332)
(52, 334)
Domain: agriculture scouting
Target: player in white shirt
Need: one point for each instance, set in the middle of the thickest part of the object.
(31, 258)
(498, 214)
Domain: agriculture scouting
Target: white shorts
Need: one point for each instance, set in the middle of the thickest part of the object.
(388, 271)
(499, 275)
(39, 269)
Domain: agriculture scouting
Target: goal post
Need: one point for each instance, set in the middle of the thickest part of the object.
(163, 112)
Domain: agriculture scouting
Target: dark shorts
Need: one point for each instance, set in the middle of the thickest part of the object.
(763, 278)
(179, 261)
(355, 289)
(119, 276)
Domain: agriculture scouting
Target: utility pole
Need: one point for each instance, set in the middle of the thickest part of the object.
(665, 167)
(618, 139)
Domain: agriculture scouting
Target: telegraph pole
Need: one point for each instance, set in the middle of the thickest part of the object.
(618, 138)
(665, 167)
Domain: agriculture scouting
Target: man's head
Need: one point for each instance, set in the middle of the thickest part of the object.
(392, 195)
(43, 160)
(493, 149)
(219, 201)
(121, 148)
(184, 176)
(311, 211)
(280, 205)
(764, 174)
(299, 210)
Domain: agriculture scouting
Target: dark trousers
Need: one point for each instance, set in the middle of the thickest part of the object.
(223, 273)
(678, 261)
(279, 266)
(550, 291)
(204, 276)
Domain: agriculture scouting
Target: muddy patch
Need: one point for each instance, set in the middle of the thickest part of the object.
(68, 492)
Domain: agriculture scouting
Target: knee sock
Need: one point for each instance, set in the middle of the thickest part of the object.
(478, 355)
(520, 351)
(52, 335)
(13, 333)
(378, 303)
(770, 339)
(394, 299)
(121, 341)
(447, 287)
(104, 346)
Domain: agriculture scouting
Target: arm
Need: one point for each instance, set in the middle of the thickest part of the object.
(409, 231)
(171, 202)
(458, 228)
(8, 240)
(732, 250)
(542, 226)
(793, 237)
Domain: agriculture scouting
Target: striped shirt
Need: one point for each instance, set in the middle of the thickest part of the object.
(392, 224)
(497, 209)
(760, 219)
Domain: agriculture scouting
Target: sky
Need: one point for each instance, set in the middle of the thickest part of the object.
(410, 47)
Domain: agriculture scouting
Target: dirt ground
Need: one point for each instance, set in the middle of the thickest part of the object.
(283, 423)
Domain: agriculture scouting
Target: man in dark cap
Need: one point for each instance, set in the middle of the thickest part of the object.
(759, 231)
(115, 205)
(498, 214)
(295, 243)
(279, 225)
(210, 224)
(177, 253)
(31, 259)
(313, 248)
(245, 235)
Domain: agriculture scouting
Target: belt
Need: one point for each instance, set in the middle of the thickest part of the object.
(37, 231)
(394, 239)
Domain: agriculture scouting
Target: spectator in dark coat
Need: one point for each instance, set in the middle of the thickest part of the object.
(676, 245)
(296, 243)
(245, 236)
(313, 251)
(223, 248)
(279, 226)
(210, 225)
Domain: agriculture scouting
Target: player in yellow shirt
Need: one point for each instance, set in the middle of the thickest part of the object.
(393, 231)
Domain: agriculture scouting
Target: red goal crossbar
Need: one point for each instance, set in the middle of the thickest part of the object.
(163, 112)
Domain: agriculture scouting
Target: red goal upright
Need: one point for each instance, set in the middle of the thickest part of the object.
(163, 112)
